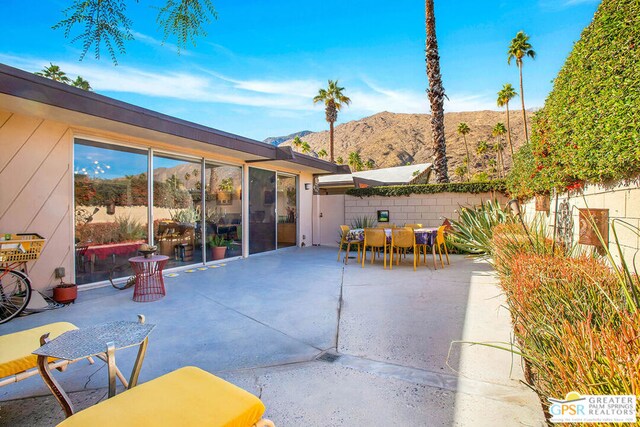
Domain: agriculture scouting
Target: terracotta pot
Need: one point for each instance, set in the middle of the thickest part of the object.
(65, 295)
(218, 252)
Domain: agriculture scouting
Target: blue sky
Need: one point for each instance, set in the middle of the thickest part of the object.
(256, 72)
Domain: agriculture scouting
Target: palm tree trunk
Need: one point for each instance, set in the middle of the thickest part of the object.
(331, 142)
(524, 112)
(502, 161)
(466, 147)
(509, 131)
(436, 96)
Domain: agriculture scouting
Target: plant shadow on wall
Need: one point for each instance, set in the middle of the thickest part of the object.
(575, 314)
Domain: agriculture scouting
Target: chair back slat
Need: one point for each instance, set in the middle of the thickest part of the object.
(403, 237)
(374, 237)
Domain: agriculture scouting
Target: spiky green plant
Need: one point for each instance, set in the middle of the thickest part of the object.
(473, 229)
(363, 222)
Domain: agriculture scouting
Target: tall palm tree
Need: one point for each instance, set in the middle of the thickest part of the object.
(297, 142)
(481, 150)
(436, 95)
(506, 94)
(518, 49)
(464, 129)
(498, 131)
(81, 83)
(322, 153)
(333, 99)
(54, 73)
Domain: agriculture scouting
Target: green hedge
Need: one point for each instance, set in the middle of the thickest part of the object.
(589, 128)
(407, 190)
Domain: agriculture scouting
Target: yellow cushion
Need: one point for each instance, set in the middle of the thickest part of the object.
(188, 396)
(16, 348)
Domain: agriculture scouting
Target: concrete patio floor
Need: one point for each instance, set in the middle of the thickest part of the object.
(267, 324)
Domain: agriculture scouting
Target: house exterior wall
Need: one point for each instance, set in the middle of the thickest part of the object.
(623, 203)
(36, 186)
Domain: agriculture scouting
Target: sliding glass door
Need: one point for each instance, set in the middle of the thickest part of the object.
(287, 211)
(262, 210)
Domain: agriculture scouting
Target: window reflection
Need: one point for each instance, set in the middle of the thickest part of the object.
(223, 207)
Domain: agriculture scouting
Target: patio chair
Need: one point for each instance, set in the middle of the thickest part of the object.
(413, 225)
(375, 238)
(16, 361)
(187, 396)
(403, 238)
(344, 229)
(386, 225)
(441, 242)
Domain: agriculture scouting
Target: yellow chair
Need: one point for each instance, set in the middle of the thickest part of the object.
(374, 238)
(16, 361)
(343, 241)
(413, 225)
(188, 396)
(386, 225)
(440, 242)
(403, 238)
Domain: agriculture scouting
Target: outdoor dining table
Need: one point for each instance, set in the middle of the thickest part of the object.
(424, 236)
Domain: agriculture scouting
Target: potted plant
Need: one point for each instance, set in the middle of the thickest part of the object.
(225, 191)
(65, 293)
(219, 246)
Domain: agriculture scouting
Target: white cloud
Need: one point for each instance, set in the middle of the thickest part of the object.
(146, 39)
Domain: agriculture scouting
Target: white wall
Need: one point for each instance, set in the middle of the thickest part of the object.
(623, 202)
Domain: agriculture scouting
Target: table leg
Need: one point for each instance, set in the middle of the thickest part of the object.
(135, 372)
(54, 386)
(111, 367)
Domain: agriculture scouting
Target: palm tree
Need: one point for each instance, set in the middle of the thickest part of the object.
(355, 161)
(54, 73)
(506, 94)
(371, 164)
(322, 153)
(518, 49)
(333, 99)
(481, 150)
(464, 129)
(436, 96)
(81, 83)
(297, 142)
(339, 160)
(305, 147)
(498, 131)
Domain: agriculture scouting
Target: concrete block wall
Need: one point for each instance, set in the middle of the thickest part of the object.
(623, 202)
(427, 209)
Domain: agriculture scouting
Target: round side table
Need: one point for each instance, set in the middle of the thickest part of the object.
(149, 281)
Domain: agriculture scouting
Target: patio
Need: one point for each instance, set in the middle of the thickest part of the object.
(272, 324)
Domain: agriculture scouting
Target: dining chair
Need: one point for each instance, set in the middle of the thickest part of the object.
(403, 238)
(345, 241)
(386, 225)
(374, 238)
(414, 225)
(441, 242)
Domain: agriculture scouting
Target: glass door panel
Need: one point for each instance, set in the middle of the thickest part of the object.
(177, 208)
(287, 213)
(262, 218)
(110, 209)
(223, 210)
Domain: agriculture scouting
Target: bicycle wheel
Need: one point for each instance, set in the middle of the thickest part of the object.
(15, 293)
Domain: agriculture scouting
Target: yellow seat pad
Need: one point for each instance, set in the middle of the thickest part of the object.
(188, 396)
(16, 348)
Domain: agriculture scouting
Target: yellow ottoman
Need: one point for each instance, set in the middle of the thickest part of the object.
(16, 348)
(188, 396)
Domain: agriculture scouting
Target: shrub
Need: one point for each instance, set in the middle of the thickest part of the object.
(473, 230)
(497, 185)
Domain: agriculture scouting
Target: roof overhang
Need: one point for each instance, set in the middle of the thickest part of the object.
(29, 94)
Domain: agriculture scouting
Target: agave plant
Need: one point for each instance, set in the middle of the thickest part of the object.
(363, 222)
(473, 230)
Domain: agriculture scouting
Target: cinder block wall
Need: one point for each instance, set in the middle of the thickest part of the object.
(623, 202)
(427, 209)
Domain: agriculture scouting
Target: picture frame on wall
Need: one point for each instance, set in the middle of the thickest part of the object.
(383, 216)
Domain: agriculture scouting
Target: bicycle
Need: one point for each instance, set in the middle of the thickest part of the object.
(15, 285)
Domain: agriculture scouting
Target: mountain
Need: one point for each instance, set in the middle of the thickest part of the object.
(277, 140)
(392, 139)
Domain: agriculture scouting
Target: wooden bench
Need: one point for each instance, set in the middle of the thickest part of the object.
(16, 361)
(188, 396)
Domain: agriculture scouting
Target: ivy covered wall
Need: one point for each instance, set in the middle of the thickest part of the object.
(589, 127)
